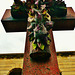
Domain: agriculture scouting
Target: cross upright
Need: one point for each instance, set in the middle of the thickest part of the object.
(31, 67)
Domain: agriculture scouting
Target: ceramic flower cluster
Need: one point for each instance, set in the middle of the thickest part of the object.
(39, 25)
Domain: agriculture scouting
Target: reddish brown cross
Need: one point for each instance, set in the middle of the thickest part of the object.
(30, 67)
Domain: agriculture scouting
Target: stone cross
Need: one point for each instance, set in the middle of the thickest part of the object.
(31, 67)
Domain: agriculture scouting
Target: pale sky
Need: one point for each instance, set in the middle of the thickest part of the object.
(15, 42)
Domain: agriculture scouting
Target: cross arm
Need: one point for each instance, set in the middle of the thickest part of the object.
(20, 25)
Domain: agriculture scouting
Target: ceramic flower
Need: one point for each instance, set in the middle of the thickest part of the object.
(40, 23)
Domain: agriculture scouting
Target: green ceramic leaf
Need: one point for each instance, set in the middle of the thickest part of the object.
(34, 46)
(42, 47)
(31, 38)
(38, 40)
(48, 42)
(49, 36)
(62, 7)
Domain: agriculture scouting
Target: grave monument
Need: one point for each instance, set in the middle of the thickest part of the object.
(38, 17)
